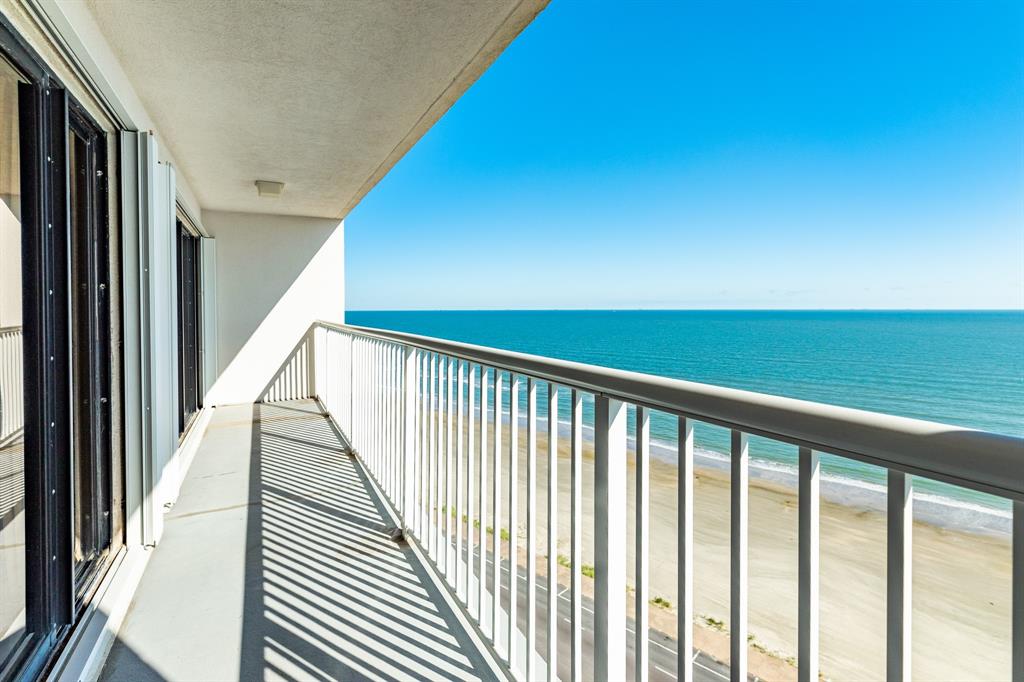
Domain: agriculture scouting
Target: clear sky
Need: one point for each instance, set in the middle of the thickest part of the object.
(715, 155)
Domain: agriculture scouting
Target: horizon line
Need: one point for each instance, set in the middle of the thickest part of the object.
(704, 310)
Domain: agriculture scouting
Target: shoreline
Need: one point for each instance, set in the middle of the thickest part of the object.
(938, 509)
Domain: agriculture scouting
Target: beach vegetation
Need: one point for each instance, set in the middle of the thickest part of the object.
(713, 623)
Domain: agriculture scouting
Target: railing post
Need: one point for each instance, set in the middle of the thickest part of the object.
(641, 649)
(684, 575)
(1017, 609)
(809, 521)
(898, 577)
(408, 434)
(609, 538)
(739, 462)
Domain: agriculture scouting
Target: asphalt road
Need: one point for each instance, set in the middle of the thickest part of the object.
(662, 649)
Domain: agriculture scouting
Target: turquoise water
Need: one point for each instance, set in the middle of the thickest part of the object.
(962, 368)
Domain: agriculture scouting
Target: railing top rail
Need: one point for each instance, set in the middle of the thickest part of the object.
(981, 460)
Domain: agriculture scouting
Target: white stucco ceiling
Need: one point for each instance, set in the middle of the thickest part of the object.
(324, 96)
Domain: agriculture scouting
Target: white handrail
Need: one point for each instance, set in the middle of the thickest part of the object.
(975, 459)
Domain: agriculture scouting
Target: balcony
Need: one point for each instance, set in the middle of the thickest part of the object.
(343, 526)
(281, 565)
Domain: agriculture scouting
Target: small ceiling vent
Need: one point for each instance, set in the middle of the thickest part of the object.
(269, 188)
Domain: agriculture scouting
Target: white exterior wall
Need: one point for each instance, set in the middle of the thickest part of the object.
(276, 275)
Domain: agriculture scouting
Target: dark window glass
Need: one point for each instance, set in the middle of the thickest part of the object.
(189, 333)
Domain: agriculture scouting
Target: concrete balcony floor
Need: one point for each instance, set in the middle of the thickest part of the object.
(275, 563)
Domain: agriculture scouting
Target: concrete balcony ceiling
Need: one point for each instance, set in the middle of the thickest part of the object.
(323, 96)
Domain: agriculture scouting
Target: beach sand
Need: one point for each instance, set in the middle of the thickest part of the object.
(961, 581)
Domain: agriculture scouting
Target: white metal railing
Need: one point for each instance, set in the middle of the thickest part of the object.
(426, 417)
(12, 369)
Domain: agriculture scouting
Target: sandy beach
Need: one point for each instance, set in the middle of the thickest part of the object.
(961, 581)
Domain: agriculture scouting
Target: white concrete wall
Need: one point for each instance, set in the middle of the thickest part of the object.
(276, 275)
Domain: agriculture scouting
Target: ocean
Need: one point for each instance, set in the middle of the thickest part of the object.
(961, 368)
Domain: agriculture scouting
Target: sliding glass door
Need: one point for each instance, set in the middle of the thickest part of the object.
(56, 451)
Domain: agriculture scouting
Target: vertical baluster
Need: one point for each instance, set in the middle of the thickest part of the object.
(898, 576)
(738, 555)
(459, 454)
(684, 577)
(609, 538)
(361, 404)
(367, 412)
(431, 484)
(418, 440)
(470, 593)
(360, 433)
(439, 481)
(399, 427)
(388, 421)
(807, 656)
(375, 401)
(382, 410)
(482, 570)
(642, 503)
(513, 518)
(424, 482)
(531, 526)
(397, 423)
(394, 427)
(576, 533)
(377, 394)
(353, 391)
(1017, 627)
(496, 492)
(391, 427)
(385, 434)
(449, 461)
(372, 399)
(363, 445)
(367, 438)
(408, 450)
(375, 417)
(439, 509)
(552, 646)
(445, 446)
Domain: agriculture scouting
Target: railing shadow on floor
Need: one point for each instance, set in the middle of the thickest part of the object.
(294, 379)
(328, 594)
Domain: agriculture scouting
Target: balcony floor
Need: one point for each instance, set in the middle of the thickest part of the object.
(275, 564)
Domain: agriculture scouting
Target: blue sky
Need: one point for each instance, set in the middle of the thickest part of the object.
(714, 155)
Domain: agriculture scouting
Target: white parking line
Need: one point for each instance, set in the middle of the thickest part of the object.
(701, 665)
(562, 595)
